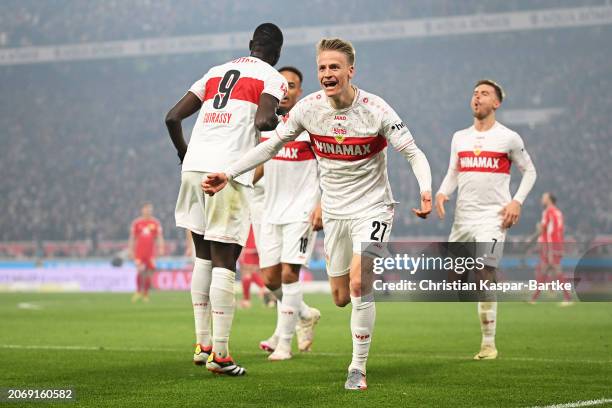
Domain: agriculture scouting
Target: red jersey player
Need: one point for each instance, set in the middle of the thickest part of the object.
(145, 231)
(249, 270)
(550, 242)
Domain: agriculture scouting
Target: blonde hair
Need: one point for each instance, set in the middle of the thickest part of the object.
(337, 44)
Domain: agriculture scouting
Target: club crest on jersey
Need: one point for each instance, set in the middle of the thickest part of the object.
(339, 133)
(477, 149)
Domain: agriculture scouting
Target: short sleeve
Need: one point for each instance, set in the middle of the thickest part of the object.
(199, 87)
(276, 85)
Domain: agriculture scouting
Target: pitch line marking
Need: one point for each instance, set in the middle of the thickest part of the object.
(322, 354)
(576, 404)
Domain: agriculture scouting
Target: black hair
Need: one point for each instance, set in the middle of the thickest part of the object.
(294, 70)
(268, 36)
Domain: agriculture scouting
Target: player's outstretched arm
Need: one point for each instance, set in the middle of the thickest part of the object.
(187, 106)
(214, 183)
(260, 154)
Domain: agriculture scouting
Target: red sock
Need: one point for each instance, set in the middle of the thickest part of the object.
(562, 280)
(138, 282)
(258, 279)
(147, 285)
(246, 287)
(540, 279)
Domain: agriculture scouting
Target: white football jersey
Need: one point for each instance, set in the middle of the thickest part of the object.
(225, 128)
(350, 145)
(480, 166)
(292, 181)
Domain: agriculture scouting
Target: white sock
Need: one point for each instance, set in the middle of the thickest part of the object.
(222, 306)
(277, 330)
(363, 316)
(200, 288)
(278, 292)
(487, 312)
(305, 313)
(290, 307)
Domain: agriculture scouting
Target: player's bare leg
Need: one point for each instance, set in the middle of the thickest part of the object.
(246, 278)
(200, 290)
(356, 288)
(222, 301)
(487, 314)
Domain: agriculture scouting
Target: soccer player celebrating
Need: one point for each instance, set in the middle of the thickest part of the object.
(236, 100)
(349, 129)
(480, 161)
(145, 232)
(550, 241)
(291, 216)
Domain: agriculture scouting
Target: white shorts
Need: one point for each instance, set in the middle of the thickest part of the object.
(256, 207)
(489, 239)
(287, 243)
(344, 238)
(223, 217)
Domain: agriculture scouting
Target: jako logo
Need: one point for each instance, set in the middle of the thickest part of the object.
(340, 117)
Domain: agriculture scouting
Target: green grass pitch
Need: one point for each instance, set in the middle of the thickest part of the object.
(117, 354)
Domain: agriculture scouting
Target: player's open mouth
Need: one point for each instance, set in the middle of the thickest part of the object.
(329, 84)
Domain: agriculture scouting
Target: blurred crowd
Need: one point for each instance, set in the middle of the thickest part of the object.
(50, 22)
(84, 143)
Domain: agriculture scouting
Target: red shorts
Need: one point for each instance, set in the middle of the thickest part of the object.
(249, 256)
(147, 264)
